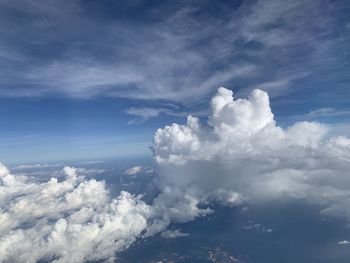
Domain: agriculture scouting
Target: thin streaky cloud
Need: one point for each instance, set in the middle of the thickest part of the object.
(178, 56)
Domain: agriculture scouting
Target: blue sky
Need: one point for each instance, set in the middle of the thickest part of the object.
(95, 79)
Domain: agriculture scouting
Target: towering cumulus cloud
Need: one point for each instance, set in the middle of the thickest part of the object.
(242, 155)
(239, 156)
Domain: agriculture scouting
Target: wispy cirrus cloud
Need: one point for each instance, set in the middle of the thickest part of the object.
(178, 51)
(146, 113)
(327, 112)
(143, 114)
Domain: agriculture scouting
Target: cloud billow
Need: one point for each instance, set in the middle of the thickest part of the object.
(69, 221)
(242, 153)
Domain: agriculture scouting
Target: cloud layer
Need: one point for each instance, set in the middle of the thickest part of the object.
(73, 220)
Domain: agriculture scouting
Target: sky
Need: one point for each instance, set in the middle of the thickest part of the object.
(93, 79)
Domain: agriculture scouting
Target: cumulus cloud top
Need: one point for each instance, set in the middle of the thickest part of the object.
(240, 116)
(69, 221)
(241, 126)
(3, 170)
(241, 154)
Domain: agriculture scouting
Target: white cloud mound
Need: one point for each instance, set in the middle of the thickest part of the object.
(134, 170)
(235, 127)
(240, 117)
(344, 242)
(241, 154)
(69, 221)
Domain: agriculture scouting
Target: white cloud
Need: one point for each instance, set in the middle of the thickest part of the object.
(173, 234)
(344, 242)
(35, 166)
(243, 152)
(146, 112)
(327, 112)
(76, 220)
(70, 221)
(149, 171)
(86, 171)
(257, 227)
(134, 170)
